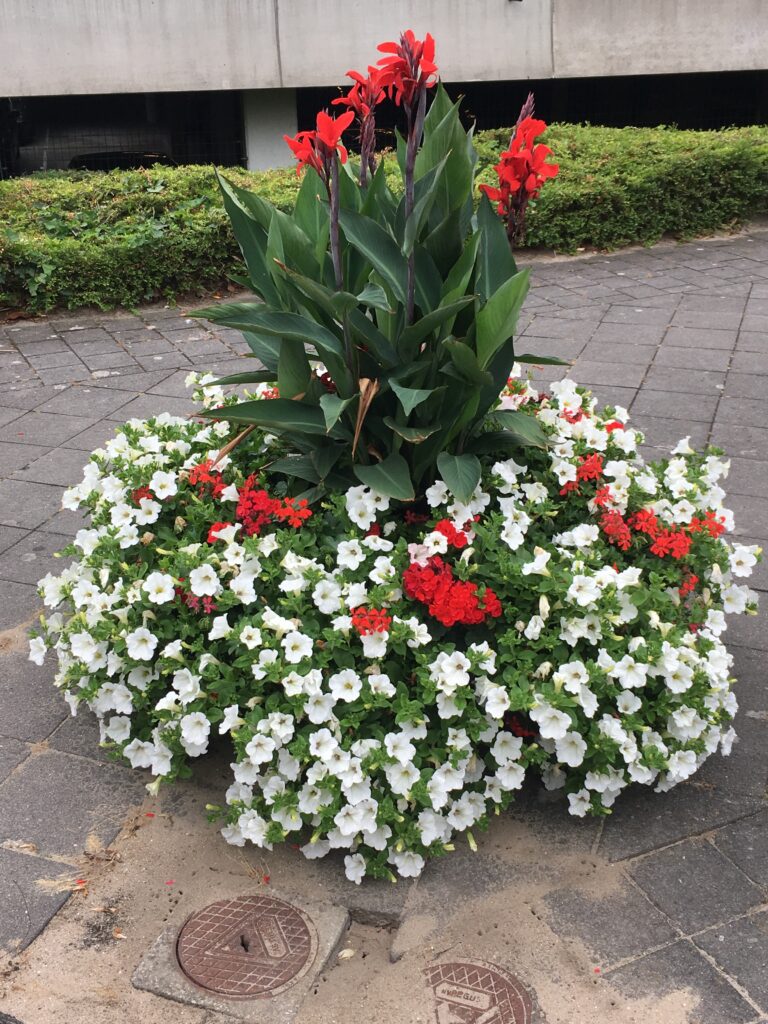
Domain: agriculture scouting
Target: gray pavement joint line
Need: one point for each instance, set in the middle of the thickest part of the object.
(682, 937)
(703, 834)
(730, 363)
(658, 349)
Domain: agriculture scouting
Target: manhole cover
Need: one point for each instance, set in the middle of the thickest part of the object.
(473, 992)
(247, 948)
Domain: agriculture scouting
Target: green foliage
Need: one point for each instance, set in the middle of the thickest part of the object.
(72, 239)
(409, 393)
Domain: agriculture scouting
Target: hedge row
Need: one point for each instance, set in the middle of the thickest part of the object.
(73, 239)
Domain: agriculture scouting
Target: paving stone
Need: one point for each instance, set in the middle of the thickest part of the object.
(695, 885)
(740, 948)
(698, 382)
(589, 372)
(12, 753)
(748, 631)
(81, 397)
(15, 456)
(749, 362)
(567, 330)
(600, 922)
(689, 337)
(20, 604)
(28, 397)
(35, 807)
(550, 348)
(751, 514)
(146, 406)
(645, 316)
(92, 339)
(8, 415)
(49, 428)
(63, 466)
(86, 349)
(745, 842)
(10, 535)
(609, 394)
(743, 411)
(746, 477)
(680, 358)
(745, 442)
(32, 707)
(729, 320)
(31, 332)
(27, 504)
(64, 374)
(32, 557)
(110, 360)
(93, 437)
(665, 433)
(680, 968)
(65, 523)
(754, 321)
(673, 405)
(26, 907)
(640, 355)
(79, 734)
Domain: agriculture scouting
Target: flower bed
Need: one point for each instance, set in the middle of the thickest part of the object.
(389, 677)
(397, 590)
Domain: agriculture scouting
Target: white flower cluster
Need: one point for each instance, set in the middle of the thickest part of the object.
(377, 701)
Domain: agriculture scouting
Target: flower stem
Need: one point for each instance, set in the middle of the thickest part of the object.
(416, 114)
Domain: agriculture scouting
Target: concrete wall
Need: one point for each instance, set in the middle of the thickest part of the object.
(268, 115)
(60, 47)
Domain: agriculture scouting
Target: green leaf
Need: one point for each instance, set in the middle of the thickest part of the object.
(495, 263)
(466, 363)
(390, 477)
(251, 236)
(373, 338)
(497, 320)
(413, 434)
(265, 347)
(378, 247)
(252, 316)
(313, 467)
(456, 282)
(419, 330)
(529, 357)
(252, 377)
(276, 414)
(375, 296)
(293, 369)
(333, 407)
(410, 398)
(522, 425)
(425, 193)
(461, 474)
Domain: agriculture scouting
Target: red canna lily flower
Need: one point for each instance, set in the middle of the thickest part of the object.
(409, 65)
(318, 148)
(364, 95)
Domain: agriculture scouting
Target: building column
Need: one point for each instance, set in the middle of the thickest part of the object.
(268, 115)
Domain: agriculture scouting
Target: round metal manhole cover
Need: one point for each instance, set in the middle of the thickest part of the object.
(247, 948)
(474, 992)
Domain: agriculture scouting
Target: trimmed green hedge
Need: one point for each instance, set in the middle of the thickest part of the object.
(73, 239)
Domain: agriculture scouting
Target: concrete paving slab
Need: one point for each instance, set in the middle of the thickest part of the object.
(26, 907)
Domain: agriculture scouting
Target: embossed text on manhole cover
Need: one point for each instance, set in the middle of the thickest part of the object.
(474, 992)
(247, 948)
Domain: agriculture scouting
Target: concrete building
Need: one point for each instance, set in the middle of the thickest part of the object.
(240, 66)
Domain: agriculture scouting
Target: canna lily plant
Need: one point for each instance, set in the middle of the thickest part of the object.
(408, 296)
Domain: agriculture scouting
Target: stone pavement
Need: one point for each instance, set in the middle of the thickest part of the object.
(679, 335)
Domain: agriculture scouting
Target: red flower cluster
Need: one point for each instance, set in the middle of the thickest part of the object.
(408, 66)
(366, 94)
(319, 148)
(671, 542)
(688, 585)
(255, 509)
(370, 620)
(712, 523)
(591, 467)
(205, 478)
(449, 600)
(522, 169)
(676, 543)
(616, 530)
(141, 493)
(206, 604)
(456, 538)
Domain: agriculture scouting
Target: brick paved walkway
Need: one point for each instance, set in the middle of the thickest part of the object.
(679, 335)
